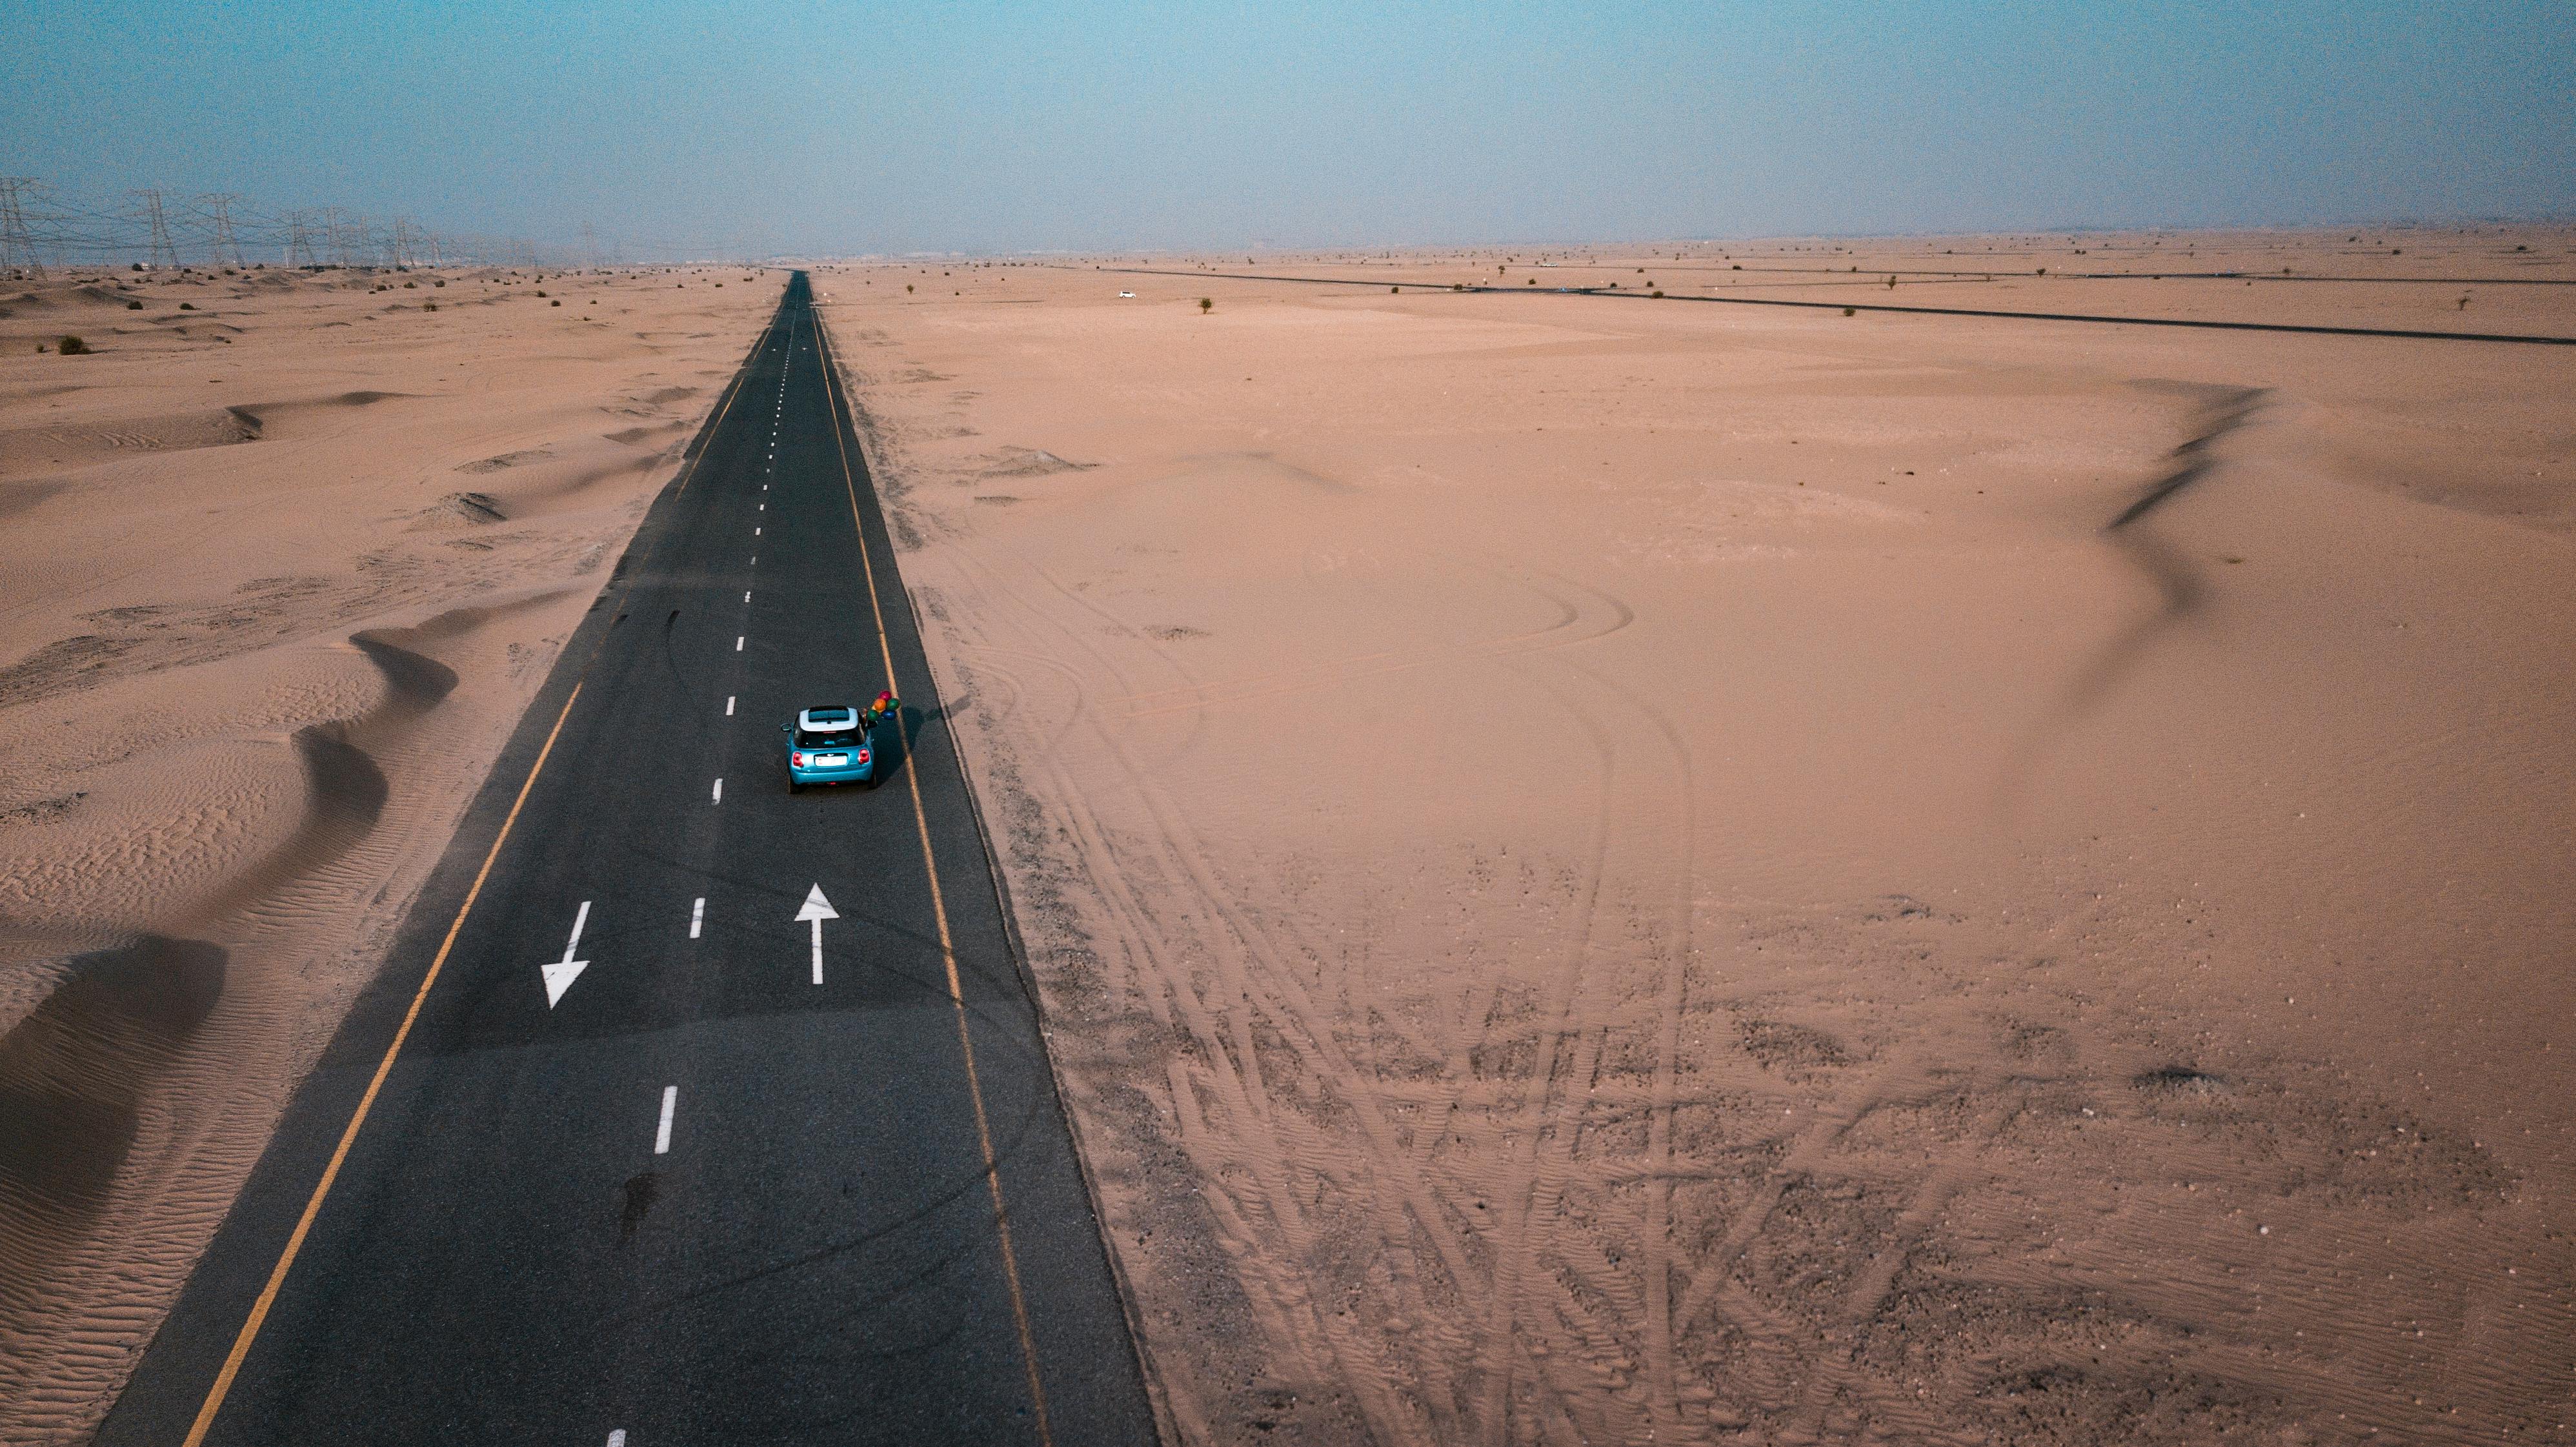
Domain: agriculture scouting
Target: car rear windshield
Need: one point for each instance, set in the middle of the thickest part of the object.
(837, 739)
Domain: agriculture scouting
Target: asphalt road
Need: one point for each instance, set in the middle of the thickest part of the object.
(700, 1197)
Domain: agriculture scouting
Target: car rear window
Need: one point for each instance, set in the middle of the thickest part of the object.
(836, 739)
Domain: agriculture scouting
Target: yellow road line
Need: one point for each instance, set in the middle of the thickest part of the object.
(259, 1310)
(313, 1207)
(939, 907)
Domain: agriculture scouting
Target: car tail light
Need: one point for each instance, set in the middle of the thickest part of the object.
(798, 759)
(862, 756)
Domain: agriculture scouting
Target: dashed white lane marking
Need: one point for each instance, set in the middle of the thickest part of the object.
(737, 642)
(728, 705)
(719, 791)
(764, 507)
(755, 532)
(697, 915)
(617, 1438)
(662, 1132)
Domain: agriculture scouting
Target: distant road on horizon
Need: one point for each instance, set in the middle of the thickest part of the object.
(685, 1110)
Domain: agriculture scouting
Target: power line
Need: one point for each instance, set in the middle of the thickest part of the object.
(41, 228)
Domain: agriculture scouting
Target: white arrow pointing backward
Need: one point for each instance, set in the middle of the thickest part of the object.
(817, 909)
(561, 974)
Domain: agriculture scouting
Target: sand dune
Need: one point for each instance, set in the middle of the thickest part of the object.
(1606, 871)
(281, 572)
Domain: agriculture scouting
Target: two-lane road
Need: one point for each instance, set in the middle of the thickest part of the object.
(599, 1158)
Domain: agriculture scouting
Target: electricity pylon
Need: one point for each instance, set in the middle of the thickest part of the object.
(219, 220)
(299, 239)
(17, 243)
(164, 251)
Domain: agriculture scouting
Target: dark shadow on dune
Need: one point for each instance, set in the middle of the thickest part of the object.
(17, 497)
(258, 416)
(2179, 582)
(414, 682)
(74, 1073)
(346, 790)
(2181, 586)
(2224, 409)
(528, 497)
(72, 1077)
(345, 794)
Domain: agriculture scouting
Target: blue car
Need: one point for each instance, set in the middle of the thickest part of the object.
(830, 744)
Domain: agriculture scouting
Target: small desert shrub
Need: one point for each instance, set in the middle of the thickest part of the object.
(429, 306)
(1394, 289)
(1891, 282)
(71, 346)
(541, 291)
(1654, 293)
(134, 306)
(411, 286)
(187, 306)
(1206, 305)
(438, 283)
(554, 303)
(1847, 311)
(907, 286)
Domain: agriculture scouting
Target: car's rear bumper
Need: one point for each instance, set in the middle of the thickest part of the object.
(856, 774)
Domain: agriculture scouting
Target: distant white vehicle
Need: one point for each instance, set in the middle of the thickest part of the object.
(1128, 294)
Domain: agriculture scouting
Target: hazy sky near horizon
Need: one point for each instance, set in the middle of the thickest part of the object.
(845, 128)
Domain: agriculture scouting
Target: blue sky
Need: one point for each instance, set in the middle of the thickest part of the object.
(849, 128)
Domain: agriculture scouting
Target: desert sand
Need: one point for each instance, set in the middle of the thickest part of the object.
(1599, 868)
(1610, 870)
(281, 562)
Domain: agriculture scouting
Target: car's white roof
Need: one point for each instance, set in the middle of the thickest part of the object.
(849, 719)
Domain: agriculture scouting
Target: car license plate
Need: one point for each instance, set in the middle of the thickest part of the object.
(831, 761)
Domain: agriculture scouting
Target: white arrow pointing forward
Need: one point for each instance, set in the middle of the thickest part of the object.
(817, 909)
(561, 974)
